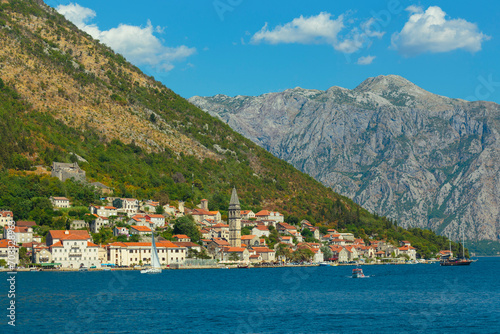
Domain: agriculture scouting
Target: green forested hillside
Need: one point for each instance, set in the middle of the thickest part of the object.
(51, 108)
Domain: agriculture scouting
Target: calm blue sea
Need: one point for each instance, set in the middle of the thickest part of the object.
(396, 299)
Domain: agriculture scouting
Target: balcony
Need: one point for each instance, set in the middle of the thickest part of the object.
(75, 254)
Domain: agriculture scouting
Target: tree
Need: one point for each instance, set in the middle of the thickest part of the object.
(105, 234)
(3, 263)
(203, 254)
(159, 210)
(292, 220)
(23, 256)
(198, 184)
(234, 257)
(283, 251)
(246, 230)
(327, 252)
(307, 233)
(192, 253)
(186, 225)
(303, 254)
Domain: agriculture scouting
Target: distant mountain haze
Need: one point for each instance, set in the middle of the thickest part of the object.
(426, 160)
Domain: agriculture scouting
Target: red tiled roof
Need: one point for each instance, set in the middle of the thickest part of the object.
(155, 216)
(406, 248)
(6, 214)
(57, 244)
(221, 242)
(234, 249)
(181, 236)
(90, 244)
(336, 248)
(198, 211)
(141, 228)
(25, 223)
(287, 226)
(69, 234)
(4, 243)
(61, 198)
(262, 213)
(247, 237)
(261, 228)
(21, 229)
(262, 250)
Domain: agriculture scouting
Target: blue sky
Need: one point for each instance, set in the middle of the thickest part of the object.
(252, 47)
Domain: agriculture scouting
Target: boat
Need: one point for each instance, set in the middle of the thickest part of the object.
(82, 268)
(243, 266)
(155, 260)
(324, 264)
(357, 273)
(458, 261)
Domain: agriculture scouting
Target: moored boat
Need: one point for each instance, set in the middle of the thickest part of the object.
(456, 262)
(459, 261)
(358, 273)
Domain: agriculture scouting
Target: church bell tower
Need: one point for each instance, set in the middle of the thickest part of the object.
(234, 220)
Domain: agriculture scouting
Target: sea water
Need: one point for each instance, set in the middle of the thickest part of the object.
(394, 299)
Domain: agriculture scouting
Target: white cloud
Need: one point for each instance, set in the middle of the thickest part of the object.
(431, 31)
(303, 30)
(76, 13)
(365, 60)
(138, 44)
(319, 29)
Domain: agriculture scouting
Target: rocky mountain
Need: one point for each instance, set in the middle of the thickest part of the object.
(396, 149)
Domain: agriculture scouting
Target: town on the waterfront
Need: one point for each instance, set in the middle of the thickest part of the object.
(117, 234)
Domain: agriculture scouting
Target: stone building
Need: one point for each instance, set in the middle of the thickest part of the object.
(65, 171)
(234, 219)
(6, 217)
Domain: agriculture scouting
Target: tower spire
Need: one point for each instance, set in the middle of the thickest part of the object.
(234, 199)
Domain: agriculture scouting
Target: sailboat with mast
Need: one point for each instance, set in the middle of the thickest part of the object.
(155, 260)
(458, 261)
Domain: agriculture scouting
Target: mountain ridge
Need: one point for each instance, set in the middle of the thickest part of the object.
(390, 145)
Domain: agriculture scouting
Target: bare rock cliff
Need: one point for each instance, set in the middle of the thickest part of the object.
(396, 149)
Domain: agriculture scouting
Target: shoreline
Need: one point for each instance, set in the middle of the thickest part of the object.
(213, 267)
